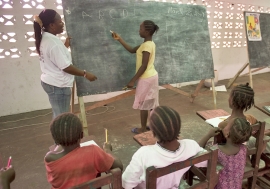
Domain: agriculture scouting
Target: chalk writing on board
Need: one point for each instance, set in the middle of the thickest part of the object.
(183, 48)
(182, 12)
(85, 14)
(114, 13)
(68, 11)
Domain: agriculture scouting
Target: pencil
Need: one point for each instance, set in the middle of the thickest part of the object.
(9, 161)
(106, 135)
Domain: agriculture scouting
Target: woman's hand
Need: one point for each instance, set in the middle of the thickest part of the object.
(67, 42)
(116, 36)
(90, 77)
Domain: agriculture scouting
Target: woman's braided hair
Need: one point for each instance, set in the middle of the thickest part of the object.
(66, 129)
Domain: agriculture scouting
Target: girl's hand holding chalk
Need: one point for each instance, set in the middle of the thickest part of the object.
(115, 35)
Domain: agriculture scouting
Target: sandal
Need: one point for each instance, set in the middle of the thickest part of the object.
(135, 130)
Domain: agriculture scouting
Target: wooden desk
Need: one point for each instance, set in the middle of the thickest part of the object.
(146, 138)
(260, 107)
(208, 114)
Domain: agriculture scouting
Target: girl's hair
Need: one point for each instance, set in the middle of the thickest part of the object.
(47, 17)
(150, 26)
(240, 131)
(242, 97)
(66, 129)
(165, 123)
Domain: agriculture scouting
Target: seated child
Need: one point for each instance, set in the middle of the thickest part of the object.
(241, 99)
(74, 165)
(165, 124)
(231, 155)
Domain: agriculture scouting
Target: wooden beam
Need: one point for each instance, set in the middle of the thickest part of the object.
(253, 71)
(110, 100)
(196, 92)
(232, 80)
(168, 86)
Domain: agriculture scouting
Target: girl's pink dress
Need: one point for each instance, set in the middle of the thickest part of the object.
(233, 169)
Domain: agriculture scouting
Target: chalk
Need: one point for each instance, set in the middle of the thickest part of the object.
(111, 31)
(125, 88)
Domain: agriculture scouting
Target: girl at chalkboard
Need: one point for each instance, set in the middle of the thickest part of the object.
(146, 97)
(55, 61)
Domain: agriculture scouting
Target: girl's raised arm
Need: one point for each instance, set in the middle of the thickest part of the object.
(127, 47)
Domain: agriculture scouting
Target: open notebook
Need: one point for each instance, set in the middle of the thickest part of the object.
(90, 142)
(267, 108)
(215, 121)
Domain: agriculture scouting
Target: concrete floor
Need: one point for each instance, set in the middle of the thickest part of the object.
(26, 137)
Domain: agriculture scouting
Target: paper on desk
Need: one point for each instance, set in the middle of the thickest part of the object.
(90, 142)
(219, 88)
(215, 121)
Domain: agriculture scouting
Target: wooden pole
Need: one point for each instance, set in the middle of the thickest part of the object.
(214, 93)
(196, 92)
(72, 98)
(236, 76)
(82, 115)
(250, 77)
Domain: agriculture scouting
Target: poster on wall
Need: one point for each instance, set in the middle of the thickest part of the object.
(253, 26)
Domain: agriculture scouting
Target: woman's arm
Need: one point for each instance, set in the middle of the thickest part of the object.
(141, 70)
(75, 71)
(125, 45)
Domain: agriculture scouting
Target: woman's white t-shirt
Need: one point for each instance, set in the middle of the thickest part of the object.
(54, 57)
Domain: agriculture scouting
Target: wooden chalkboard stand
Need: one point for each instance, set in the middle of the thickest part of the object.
(83, 109)
(247, 64)
(232, 80)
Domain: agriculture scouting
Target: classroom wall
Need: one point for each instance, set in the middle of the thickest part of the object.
(20, 88)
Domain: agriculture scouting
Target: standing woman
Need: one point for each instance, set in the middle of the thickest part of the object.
(146, 97)
(55, 61)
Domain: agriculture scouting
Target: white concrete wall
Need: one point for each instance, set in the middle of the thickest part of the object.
(20, 88)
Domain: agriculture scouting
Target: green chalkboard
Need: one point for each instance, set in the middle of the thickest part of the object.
(259, 51)
(183, 50)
